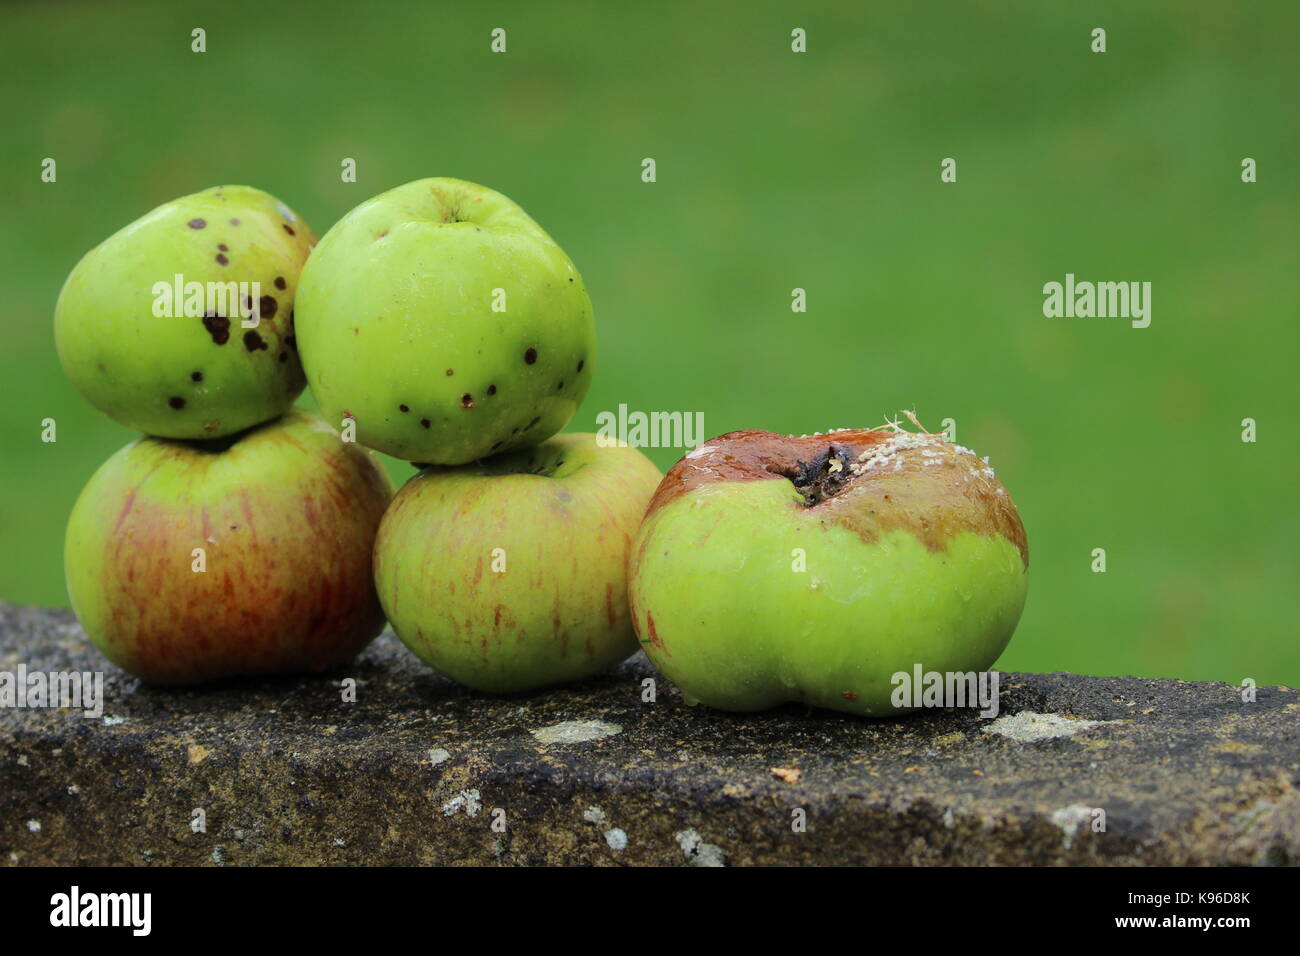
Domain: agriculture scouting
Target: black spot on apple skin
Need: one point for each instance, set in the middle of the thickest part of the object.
(253, 341)
(280, 283)
(424, 422)
(450, 372)
(218, 327)
(221, 258)
(403, 408)
(176, 402)
(289, 229)
(560, 387)
(234, 222)
(196, 376)
(197, 223)
(221, 246)
(467, 400)
(491, 389)
(284, 356)
(268, 306)
(530, 356)
(581, 364)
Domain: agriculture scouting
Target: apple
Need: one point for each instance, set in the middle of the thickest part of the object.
(510, 574)
(192, 561)
(772, 568)
(151, 324)
(445, 322)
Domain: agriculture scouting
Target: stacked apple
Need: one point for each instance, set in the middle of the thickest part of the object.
(438, 323)
(450, 330)
(235, 538)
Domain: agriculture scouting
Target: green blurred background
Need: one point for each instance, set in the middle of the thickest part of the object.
(775, 171)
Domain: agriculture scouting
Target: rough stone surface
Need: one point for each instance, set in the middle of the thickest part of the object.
(420, 771)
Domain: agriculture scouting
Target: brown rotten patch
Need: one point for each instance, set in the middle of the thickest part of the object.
(870, 481)
(757, 455)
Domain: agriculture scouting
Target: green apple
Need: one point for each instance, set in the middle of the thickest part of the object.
(771, 568)
(181, 324)
(446, 323)
(191, 561)
(511, 574)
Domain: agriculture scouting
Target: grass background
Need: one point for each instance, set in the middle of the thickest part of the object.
(775, 170)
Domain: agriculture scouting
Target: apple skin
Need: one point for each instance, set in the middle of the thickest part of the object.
(287, 515)
(908, 563)
(564, 514)
(396, 328)
(140, 369)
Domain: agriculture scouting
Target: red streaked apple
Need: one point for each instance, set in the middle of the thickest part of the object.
(510, 574)
(192, 561)
(771, 568)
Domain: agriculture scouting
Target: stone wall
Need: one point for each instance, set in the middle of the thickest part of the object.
(417, 770)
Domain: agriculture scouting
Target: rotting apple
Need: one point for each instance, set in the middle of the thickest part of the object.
(774, 568)
(510, 574)
(446, 323)
(192, 561)
(150, 324)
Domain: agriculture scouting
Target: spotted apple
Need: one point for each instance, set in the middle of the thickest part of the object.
(180, 325)
(446, 323)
